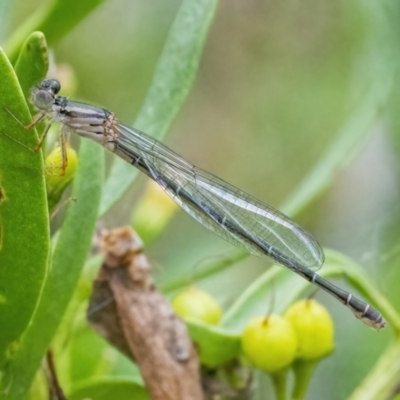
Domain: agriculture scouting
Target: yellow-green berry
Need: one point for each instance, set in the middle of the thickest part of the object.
(314, 329)
(56, 183)
(153, 213)
(269, 343)
(195, 303)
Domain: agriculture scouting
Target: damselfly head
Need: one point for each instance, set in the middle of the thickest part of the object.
(43, 96)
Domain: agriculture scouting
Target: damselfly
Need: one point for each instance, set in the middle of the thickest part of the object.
(229, 212)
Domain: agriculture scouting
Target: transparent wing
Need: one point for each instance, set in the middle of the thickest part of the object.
(226, 210)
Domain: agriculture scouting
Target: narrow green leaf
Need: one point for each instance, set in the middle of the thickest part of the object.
(383, 381)
(216, 345)
(40, 387)
(83, 364)
(75, 315)
(211, 269)
(71, 249)
(77, 365)
(31, 67)
(339, 265)
(33, 62)
(280, 287)
(110, 388)
(24, 227)
(172, 81)
(375, 84)
(348, 143)
(358, 127)
(277, 289)
(54, 19)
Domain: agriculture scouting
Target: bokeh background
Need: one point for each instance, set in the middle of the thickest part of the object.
(277, 82)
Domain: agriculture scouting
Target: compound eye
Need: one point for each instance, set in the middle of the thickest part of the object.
(43, 100)
(55, 86)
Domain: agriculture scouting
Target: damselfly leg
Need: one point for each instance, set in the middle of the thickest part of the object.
(41, 116)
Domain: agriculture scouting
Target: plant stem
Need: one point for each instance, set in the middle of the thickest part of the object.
(303, 371)
(279, 380)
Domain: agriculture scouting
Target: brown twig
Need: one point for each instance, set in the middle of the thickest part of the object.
(128, 311)
(55, 390)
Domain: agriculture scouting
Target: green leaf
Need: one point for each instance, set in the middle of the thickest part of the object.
(358, 127)
(209, 270)
(24, 226)
(40, 387)
(383, 381)
(355, 132)
(33, 62)
(348, 143)
(31, 68)
(75, 315)
(70, 252)
(110, 388)
(76, 364)
(280, 287)
(172, 81)
(373, 86)
(84, 364)
(277, 289)
(339, 265)
(216, 345)
(55, 18)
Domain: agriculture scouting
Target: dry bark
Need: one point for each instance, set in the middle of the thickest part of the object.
(134, 317)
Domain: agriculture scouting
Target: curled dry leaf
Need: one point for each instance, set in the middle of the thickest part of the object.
(129, 312)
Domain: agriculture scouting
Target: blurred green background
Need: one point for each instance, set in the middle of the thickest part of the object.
(276, 83)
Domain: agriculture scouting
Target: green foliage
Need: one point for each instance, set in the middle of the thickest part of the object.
(31, 66)
(353, 135)
(358, 126)
(71, 248)
(216, 344)
(35, 293)
(23, 214)
(208, 271)
(254, 300)
(219, 344)
(32, 63)
(173, 78)
(54, 19)
(384, 377)
(179, 64)
(101, 389)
